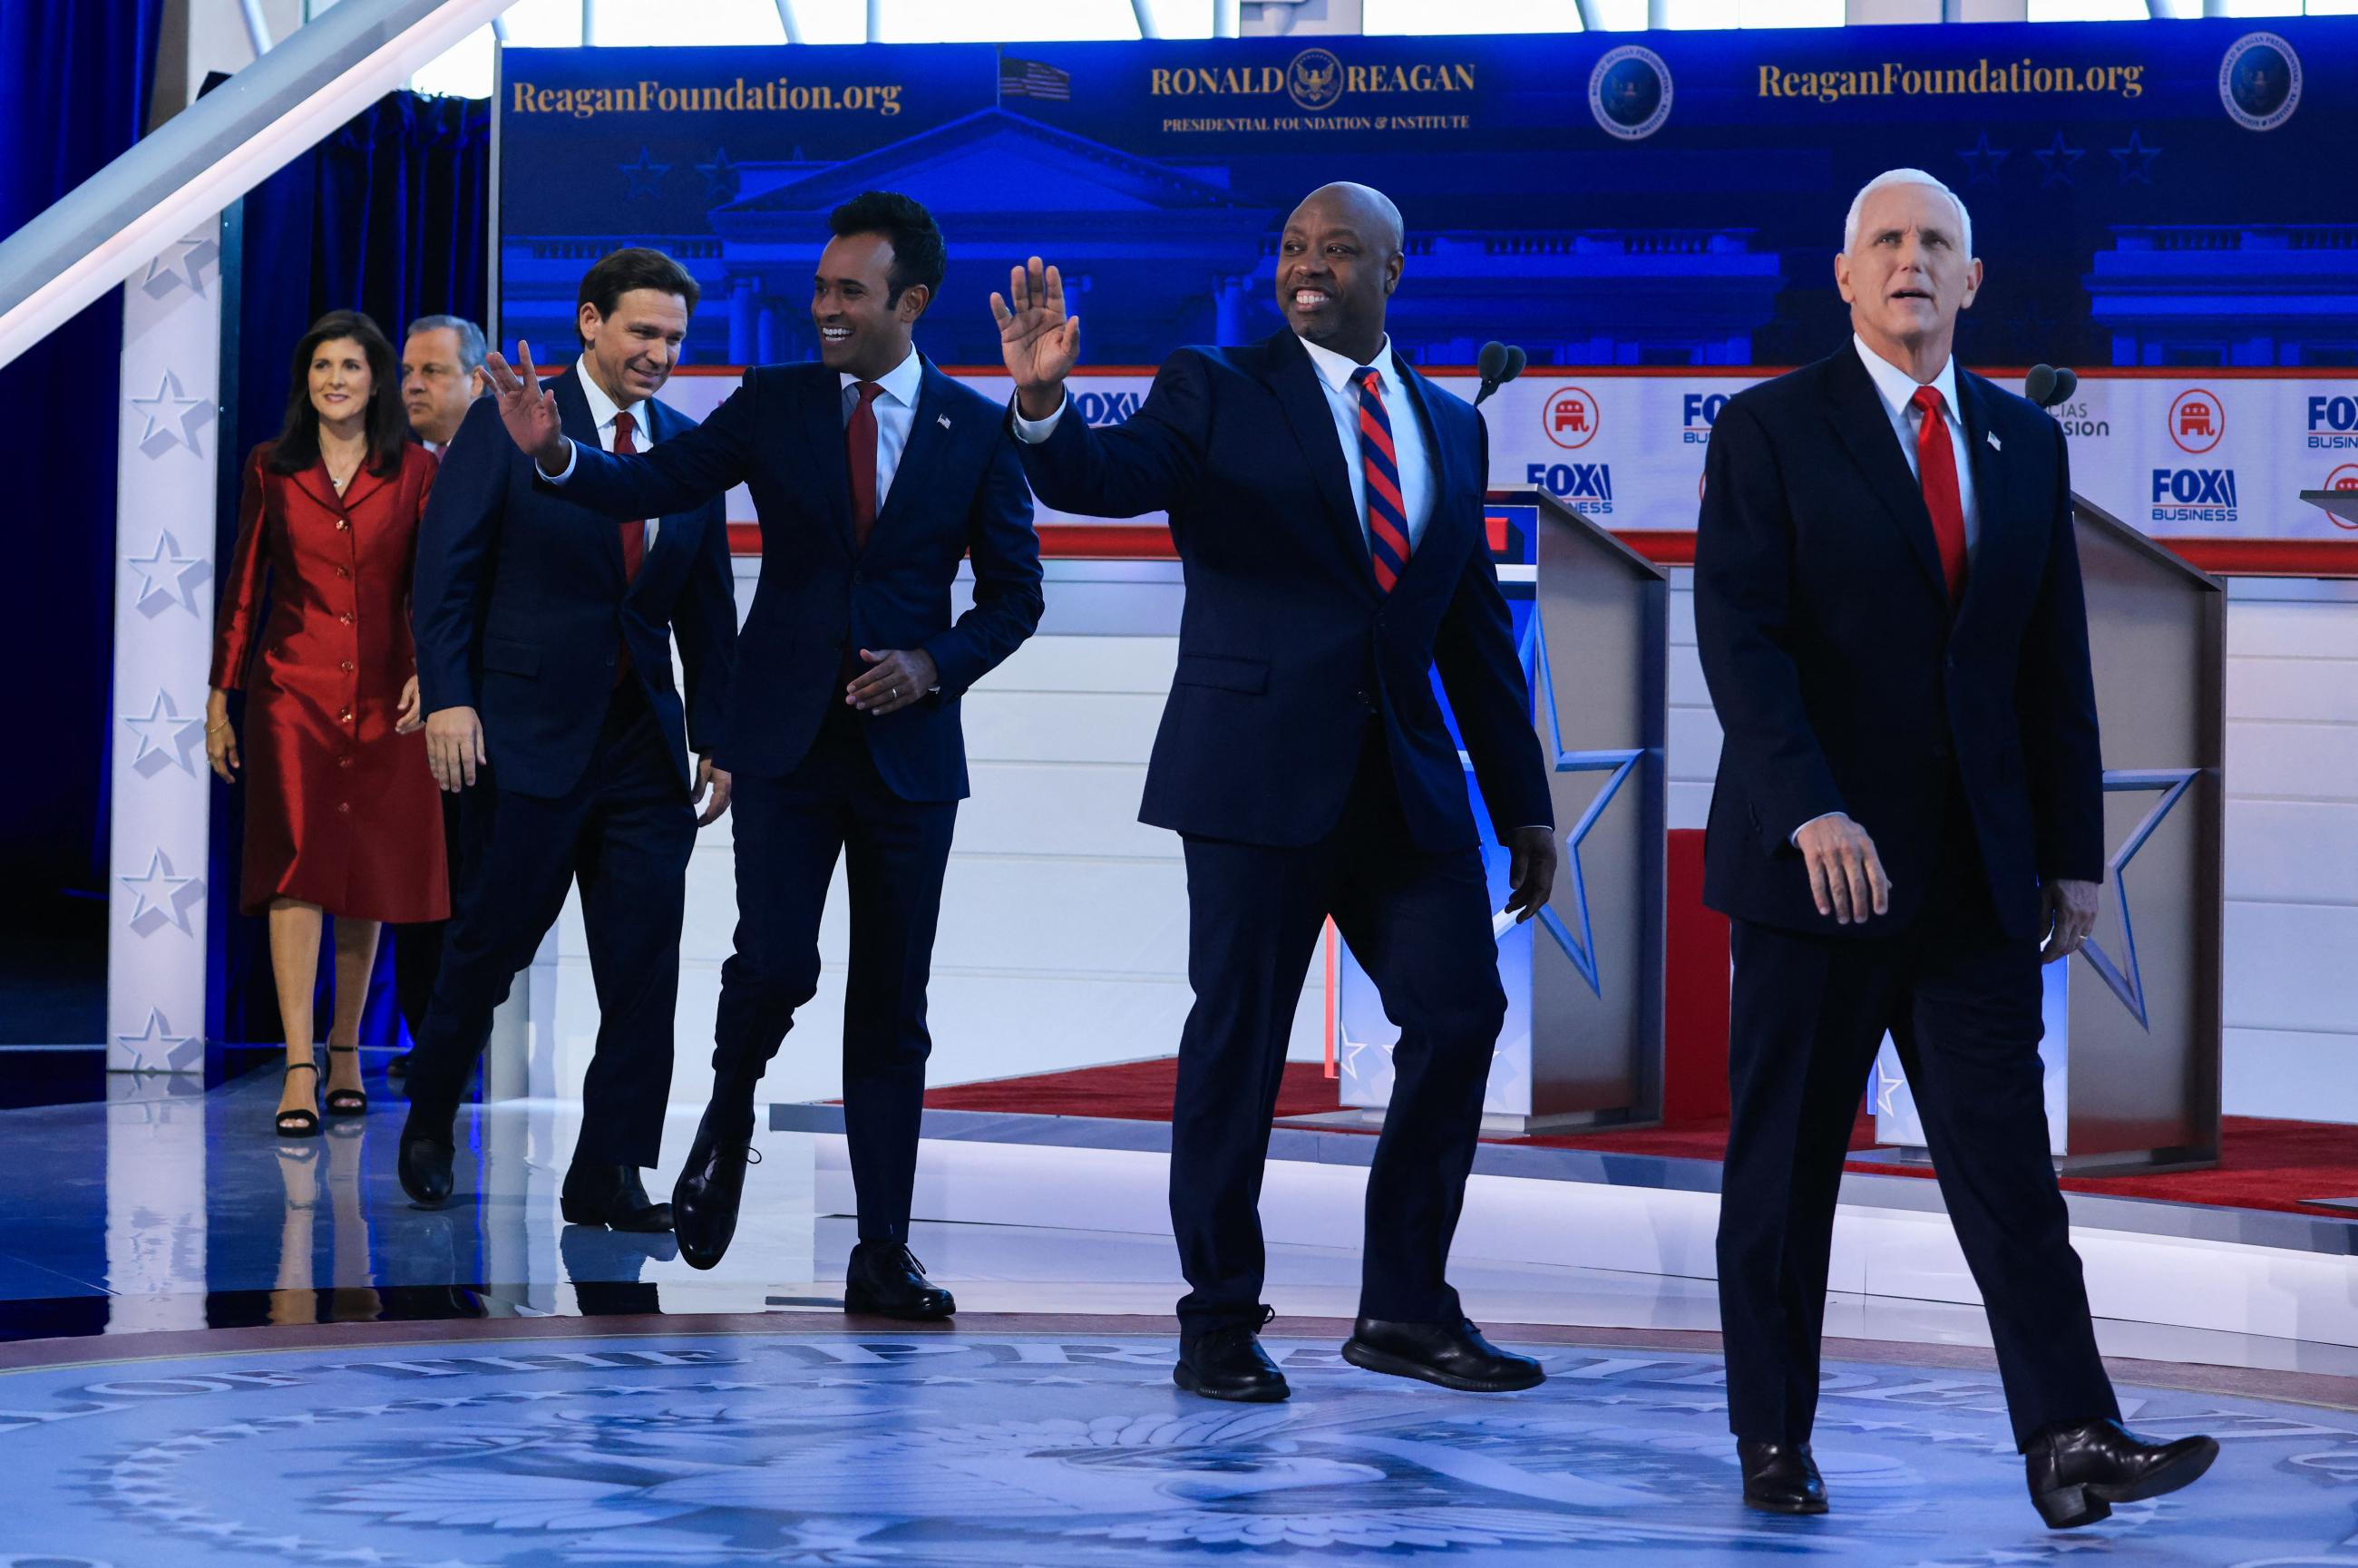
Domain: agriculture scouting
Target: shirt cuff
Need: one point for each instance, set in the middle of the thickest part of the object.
(1032, 432)
(572, 457)
(1794, 837)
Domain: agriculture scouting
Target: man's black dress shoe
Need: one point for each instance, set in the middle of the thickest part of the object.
(611, 1196)
(1453, 1355)
(1230, 1364)
(2079, 1470)
(423, 1160)
(885, 1279)
(1780, 1477)
(705, 1199)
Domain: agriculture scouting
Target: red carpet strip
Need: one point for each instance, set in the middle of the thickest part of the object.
(2263, 1163)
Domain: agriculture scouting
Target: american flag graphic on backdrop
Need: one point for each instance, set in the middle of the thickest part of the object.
(1031, 78)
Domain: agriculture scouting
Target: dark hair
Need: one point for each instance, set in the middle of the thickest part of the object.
(633, 266)
(918, 255)
(388, 426)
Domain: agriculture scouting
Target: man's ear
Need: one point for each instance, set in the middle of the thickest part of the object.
(913, 300)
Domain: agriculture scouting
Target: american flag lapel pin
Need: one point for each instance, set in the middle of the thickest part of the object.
(943, 420)
(1996, 446)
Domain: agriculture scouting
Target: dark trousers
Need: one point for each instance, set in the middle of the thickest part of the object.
(789, 832)
(625, 832)
(417, 950)
(1420, 923)
(1961, 1001)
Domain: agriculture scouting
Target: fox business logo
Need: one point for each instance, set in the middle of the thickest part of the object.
(2193, 495)
(1098, 409)
(2333, 424)
(1698, 411)
(1586, 487)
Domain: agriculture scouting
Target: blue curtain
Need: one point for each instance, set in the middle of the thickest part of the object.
(74, 85)
(390, 215)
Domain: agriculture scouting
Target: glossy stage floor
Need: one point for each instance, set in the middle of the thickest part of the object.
(218, 1348)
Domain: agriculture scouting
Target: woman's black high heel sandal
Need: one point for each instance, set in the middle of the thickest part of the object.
(302, 1122)
(346, 1102)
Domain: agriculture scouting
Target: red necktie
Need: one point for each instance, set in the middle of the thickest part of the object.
(1936, 470)
(1388, 546)
(634, 533)
(859, 447)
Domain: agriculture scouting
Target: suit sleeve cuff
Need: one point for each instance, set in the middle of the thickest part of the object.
(572, 459)
(1032, 432)
(1794, 837)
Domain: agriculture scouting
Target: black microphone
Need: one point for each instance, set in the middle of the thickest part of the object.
(2047, 386)
(1496, 364)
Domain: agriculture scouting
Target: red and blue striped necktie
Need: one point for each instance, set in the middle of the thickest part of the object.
(1386, 513)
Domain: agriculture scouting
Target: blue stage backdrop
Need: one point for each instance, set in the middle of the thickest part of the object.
(1663, 208)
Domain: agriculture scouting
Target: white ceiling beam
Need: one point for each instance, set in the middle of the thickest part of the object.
(215, 151)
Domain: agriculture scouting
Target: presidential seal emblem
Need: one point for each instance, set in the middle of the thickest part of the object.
(1315, 79)
(1629, 93)
(2259, 81)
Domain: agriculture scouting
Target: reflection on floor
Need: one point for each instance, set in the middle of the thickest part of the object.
(1059, 1444)
(319, 1371)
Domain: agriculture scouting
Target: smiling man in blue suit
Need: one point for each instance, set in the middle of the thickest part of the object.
(873, 474)
(1326, 501)
(544, 656)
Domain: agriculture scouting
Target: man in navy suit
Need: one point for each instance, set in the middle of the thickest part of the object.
(1326, 501)
(874, 475)
(1908, 817)
(544, 655)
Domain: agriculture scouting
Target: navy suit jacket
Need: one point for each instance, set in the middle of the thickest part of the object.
(1844, 683)
(1286, 644)
(957, 490)
(520, 605)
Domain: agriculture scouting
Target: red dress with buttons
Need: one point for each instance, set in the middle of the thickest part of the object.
(341, 811)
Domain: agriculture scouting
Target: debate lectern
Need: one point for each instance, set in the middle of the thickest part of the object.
(1583, 1041)
(2133, 1022)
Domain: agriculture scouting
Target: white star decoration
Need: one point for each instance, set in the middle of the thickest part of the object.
(183, 262)
(167, 578)
(166, 739)
(155, 1049)
(173, 419)
(162, 898)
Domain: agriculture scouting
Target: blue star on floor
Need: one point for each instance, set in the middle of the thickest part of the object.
(1619, 765)
(2129, 984)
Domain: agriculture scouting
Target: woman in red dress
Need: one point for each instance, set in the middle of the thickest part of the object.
(344, 816)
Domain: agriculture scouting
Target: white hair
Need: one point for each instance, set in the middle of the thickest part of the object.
(1905, 177)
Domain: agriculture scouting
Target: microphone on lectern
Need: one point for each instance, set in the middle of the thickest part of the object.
(2047, 386)
(1497, 364)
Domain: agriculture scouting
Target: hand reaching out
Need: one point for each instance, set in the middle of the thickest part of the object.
(527, 409)
(1039, 341)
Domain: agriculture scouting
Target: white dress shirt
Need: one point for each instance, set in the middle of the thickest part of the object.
(1334, 372)
(896, 413)
(1897, 389)
(603, 409)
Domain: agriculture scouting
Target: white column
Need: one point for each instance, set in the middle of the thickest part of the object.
(166, 473)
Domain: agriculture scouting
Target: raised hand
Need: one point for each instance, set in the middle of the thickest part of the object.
(1039, 341)
(528, 411)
